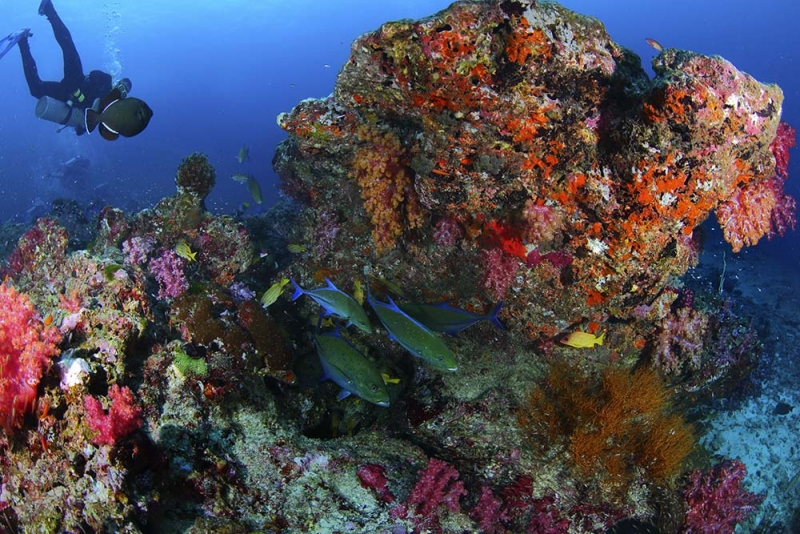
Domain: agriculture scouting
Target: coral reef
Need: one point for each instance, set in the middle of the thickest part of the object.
(195, 176)
(530, 128)
(496, 151)
(613, 429)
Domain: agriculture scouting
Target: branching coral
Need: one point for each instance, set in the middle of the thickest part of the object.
(609, 426)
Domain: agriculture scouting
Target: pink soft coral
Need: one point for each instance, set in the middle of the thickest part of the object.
(122, 419)
(26, 347)
(716, 499)
(784, 140)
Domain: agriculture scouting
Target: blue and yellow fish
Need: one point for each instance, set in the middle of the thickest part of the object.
(338, 303)
(350, 369)
(413, 336)
(448, 319)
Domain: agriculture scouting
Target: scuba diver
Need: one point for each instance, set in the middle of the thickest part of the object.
(81, 101)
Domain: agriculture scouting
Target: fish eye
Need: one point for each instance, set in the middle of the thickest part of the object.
(374, 387)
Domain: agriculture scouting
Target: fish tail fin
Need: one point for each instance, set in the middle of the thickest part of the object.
(601, 339)
(91, 119)
(298, 291)
(493, 316)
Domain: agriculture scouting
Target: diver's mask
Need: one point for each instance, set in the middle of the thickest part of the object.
(124, 86)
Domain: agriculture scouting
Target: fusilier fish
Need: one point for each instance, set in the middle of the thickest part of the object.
(254, 189)
(337, 303)
(445, 318)
(413, 336)
(244, 154)
(118, 116)
(350, 369)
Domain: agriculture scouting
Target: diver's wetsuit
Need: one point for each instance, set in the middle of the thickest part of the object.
(75, 88)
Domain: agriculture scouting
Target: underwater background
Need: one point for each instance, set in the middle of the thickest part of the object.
(217, 75)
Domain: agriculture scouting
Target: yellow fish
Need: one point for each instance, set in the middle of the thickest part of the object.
(583, 340)
(183, 250)
(387, 379)
(294, 248)
(274, 291)
(358, 292)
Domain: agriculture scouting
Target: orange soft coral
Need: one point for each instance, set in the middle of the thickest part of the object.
(386, 186)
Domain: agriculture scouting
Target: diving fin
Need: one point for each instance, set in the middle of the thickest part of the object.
(8, 42)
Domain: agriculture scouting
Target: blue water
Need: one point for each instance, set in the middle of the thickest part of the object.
(217, 74)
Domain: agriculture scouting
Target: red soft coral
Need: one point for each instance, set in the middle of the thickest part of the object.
(716, 499)
(123, 416)
(26, 347)
(784, 140)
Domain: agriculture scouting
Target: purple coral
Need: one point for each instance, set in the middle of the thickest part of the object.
(679, 347)
(447, 232)
(437, 485)
(489, 513)
(168, 270)
(500, 269)
(137, 248)
(716, 499)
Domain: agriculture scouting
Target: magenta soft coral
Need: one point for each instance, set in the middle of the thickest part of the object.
(784, 140)
(716, 499)
(123, 418)
(437, 485)
(168, 270)
(26, 348)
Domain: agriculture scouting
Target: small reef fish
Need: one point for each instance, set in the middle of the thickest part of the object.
(275, 290)
(244, 154)
(388, 379)
(448, 319)
(413, 336)
(294, 248)
(358, 292)
(183, 250)
(119, 116)
(583, 340)
(254, 189)
(252, 185)
(338, 303)
(350, 369)
(655, 44)
(391, 286)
